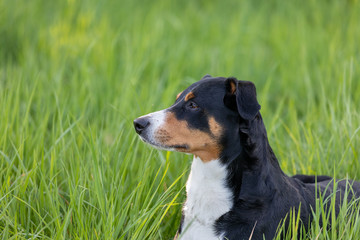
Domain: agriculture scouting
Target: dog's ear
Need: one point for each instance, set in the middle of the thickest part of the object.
(244, 94)
(206, 76)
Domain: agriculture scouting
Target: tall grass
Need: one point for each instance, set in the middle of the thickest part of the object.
(74, 74)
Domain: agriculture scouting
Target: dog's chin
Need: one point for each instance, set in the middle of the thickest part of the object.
(175, 148)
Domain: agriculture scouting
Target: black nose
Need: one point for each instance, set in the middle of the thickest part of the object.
(140, 124)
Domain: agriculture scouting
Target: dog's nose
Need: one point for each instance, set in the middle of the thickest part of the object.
(140, 124)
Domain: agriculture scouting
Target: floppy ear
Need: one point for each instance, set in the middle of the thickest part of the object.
(206, 76)
(244, 93)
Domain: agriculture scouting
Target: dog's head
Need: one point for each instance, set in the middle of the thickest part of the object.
(204, 120)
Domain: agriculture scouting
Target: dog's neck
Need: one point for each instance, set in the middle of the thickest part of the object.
(253, 163)
(214, 187)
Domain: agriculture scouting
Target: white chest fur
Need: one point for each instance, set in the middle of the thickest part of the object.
(207, 199)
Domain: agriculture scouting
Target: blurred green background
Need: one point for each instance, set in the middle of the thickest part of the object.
(74, 75)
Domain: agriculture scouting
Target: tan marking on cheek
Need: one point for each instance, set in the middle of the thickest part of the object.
(201, 144)
(177, 96)
(215, 127)
(189, 96)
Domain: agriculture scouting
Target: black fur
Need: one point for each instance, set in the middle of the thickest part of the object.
(262, 194)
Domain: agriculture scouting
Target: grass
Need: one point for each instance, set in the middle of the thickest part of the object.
(74, 74)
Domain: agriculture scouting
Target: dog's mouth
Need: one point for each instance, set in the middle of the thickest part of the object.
(181, 148)
(177, 147)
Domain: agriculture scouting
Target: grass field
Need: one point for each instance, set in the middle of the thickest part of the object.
(74, 75)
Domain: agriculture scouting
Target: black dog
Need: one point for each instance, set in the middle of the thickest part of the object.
(236, 188)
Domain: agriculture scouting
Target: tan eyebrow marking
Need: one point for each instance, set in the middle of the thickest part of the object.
(189, 96)
(177, 96)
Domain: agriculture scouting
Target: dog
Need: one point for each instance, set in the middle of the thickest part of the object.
(236, 188)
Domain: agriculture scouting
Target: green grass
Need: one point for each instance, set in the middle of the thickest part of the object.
(74, 74)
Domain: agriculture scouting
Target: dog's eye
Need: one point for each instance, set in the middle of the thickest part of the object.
(192, 106)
